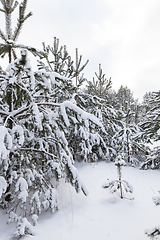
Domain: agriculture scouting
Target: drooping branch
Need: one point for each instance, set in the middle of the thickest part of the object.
(22, 110)
(39, 151)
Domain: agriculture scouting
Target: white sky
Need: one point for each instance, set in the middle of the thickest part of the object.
(122, 35)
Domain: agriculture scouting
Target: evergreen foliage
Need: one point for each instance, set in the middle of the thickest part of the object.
(151, 128)
(150, 123)
(90, 143)
(128, 140)
(59, 60)
(34, 124)
(125, 99)
(35, 151)
(47, 123)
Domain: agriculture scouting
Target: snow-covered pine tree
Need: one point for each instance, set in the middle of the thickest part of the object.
(118, 184)
(128, 140)
(95, 96)
(37, 143)
(129, 137)
(83, 138)
(34, 151)
(150, 124)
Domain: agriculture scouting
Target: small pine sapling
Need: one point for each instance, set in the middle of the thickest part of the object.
(119, 184)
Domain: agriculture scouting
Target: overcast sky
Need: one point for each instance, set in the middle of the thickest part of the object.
(122, 35)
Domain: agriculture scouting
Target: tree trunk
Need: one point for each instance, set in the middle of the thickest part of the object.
(128, 152)
(8, 173)
(120, 181)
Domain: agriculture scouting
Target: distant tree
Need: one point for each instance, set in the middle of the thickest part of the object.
(125, 99)
(152, 160)
(150, 124)
(128, 140)
(112, 99)
(147, 102)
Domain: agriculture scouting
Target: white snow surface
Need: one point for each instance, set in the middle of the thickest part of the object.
(101, 215)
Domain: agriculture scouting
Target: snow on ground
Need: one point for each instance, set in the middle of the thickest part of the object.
(101, 215)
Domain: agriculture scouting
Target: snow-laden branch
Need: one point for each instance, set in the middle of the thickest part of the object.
(5, 113)
(40, 151)
(52, 76)
(5, 142)
(23, 109)
(34, 51)
(63, 106)
(3, 185)
(84, 115)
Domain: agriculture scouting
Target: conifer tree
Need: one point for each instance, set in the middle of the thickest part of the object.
(150, 124)
(85, 140)
(128, 140)
(96, 96)
(34, 149)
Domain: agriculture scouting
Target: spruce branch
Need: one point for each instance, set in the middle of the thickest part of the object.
(24, 4)
(22, 18)
(34, 51)
(14, 6)
(40, 151)
(84, 65)
(8, 19)
(8, 4)
(3, 3)
(12, 1)
(27, 16)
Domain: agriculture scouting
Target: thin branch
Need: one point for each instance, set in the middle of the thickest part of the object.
(26, 90)
(40, 151)
(1, 10)
(20, 111)
(4, 113)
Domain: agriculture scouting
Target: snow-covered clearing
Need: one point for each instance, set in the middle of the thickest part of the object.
(101, 215)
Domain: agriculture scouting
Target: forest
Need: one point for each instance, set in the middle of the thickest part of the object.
(53, 117)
